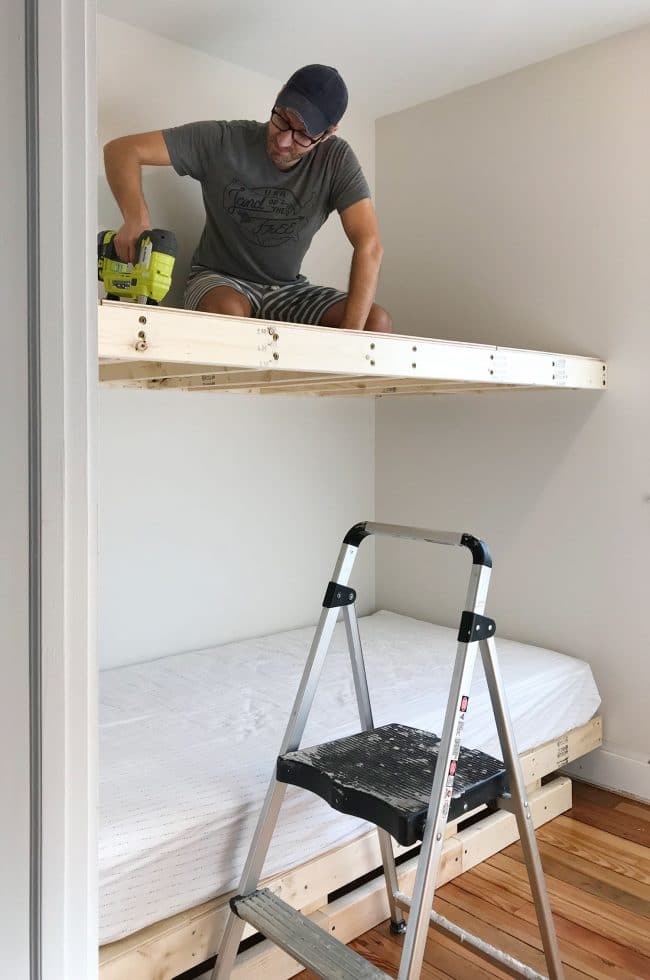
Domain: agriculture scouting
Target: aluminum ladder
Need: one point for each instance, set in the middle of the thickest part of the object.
(405, 781)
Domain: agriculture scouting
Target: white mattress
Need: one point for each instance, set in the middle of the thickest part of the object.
(188, 744)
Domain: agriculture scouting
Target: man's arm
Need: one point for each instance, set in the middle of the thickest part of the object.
(123, 159)
(360, 224)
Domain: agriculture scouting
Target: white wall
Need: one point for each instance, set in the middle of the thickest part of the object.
(14, 587)
(220, 516)
(517, 212)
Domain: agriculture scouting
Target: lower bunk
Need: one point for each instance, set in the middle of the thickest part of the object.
(187, 748)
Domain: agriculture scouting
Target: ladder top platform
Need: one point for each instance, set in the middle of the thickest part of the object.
(385, 776)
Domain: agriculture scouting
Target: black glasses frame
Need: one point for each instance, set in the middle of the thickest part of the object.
(304, 141)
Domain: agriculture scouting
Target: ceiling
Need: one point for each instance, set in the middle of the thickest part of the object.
(392, 55)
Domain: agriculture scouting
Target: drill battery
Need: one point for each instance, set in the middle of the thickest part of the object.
(149, 279)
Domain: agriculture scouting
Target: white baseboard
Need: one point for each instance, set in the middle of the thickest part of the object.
(624, 773)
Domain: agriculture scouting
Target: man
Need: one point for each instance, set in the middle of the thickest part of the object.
(267, 189)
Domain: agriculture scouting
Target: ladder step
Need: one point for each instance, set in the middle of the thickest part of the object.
(302, 938)
(385, 776)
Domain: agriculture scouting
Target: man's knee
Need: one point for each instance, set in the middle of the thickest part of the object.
(225, 300)
(379, 320)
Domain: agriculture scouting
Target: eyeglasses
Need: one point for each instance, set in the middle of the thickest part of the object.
(299, 136)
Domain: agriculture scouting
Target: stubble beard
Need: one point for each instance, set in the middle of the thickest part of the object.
(281, 161)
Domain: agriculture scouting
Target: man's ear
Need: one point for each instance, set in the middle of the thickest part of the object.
(330, 132)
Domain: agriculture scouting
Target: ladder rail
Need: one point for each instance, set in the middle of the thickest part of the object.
(268, 817)
(397, 923)
(521, 808)
(448, 751)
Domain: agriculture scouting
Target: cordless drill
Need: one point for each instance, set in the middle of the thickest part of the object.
(149, 279)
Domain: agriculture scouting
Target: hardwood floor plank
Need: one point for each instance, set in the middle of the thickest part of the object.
(638, 810)
(580, 947)
(614, 888)
(459, 961)
(590, 911)
(584, 793)
(613, 820)
(598, 955)
(384, 949)
(496, 933)
(624, 857)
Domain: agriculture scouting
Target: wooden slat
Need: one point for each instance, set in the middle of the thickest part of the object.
(541, 761)
(293, 383)
(396, 387)
(205, 376)
(131, 333)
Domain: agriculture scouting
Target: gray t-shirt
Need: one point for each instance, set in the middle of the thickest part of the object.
(260, 220)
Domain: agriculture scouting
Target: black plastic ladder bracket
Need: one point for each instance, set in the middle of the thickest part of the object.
(338, 595)
(474, 627)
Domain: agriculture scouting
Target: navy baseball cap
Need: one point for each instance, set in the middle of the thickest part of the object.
(318, 94)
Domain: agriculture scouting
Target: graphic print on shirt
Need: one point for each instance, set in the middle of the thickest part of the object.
(267, 215)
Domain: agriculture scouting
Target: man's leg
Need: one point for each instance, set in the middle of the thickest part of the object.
(378, 319)
(225, 299)
(305, 303)
(213, 292)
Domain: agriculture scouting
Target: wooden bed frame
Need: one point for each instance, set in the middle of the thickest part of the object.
(167, 948)
(155, 347)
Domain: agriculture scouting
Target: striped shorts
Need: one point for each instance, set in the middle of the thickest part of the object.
(296, 302)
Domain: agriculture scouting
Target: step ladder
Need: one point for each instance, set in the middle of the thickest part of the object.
(405, 781)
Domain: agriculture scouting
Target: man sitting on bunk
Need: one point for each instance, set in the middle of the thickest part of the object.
(267, 189)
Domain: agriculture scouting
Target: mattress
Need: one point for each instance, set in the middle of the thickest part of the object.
(188, 744)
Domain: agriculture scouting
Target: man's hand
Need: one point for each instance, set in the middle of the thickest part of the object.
(126, 239)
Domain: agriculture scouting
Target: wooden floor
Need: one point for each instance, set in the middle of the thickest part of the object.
(597, 863)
